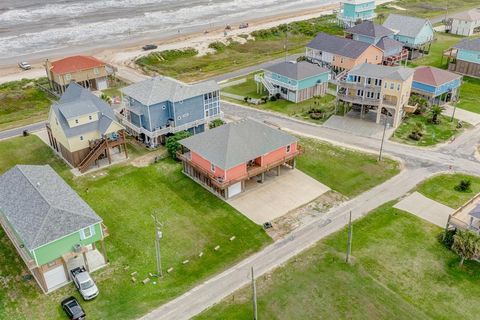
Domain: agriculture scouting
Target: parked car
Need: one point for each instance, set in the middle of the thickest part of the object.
(73, 309)
(84, 283)
(25, 65)
(149, 47)
(243, 25)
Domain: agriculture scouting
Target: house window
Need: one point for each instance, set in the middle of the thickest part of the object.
(81, 138)
(212, 167)
(87, 232)
(76, 120)
(68, 77)
(89, 117)
(398, 87)
(288, 149)
(392, 85)
(164, 107)
(96, 71)
(376, 58)
(341, 60)
(385, 85)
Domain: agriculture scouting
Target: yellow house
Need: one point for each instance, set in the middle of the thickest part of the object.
(382, 89)
(83, 129)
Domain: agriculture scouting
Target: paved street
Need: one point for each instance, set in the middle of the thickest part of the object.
(19, 131)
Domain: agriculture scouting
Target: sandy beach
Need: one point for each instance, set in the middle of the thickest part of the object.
(126, 52)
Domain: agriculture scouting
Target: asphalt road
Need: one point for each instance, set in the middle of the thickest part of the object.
(19, 131)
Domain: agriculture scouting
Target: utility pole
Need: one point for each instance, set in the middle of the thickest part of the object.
(349, 243)
(158, 237)
(286, 44)
(254, 298)
(383, 137)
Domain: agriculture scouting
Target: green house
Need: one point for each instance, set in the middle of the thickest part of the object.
(50, 226)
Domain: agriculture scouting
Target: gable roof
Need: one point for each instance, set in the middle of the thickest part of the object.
(470, 15)
(370, 29)
(78, 101)
(336, 45)
(40, 206)
(405, 25)
(160, 89)
(387, 44)
(434, 76)
(297, 70)
(382, 72)
(237, 142)
(469, 44)
(75, 64)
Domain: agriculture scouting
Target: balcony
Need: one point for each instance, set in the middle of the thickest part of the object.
(358, 100)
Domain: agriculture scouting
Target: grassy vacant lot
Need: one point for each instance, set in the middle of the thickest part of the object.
(426, 8)
(443, 42)
(125, 197)
(346, 171)
(432, 133)
(469, 93)
(268, 44)
(441, 188)
(22, 103)
(399, 271)
(296, 110)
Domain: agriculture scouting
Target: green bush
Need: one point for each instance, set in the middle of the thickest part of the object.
(464, 185)
(166, 56)
(172, 144)
(216, 123)
(447, 238)
(217, 46)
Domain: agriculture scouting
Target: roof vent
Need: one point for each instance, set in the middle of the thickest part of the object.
(38, 184)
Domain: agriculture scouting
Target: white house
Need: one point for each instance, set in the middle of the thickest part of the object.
(465, 23)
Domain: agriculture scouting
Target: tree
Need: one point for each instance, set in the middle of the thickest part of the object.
(106, 98)
(172, 144)
(464, 185)
(381, 17)
(420, 101)
(466, 244)
(436, 111)
(216, 123)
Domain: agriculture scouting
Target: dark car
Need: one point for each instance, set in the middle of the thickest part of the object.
(73, 309)
(149, 47)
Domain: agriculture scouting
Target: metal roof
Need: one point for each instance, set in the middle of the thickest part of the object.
(405, 25)
(469, 44)
(160, 89)
(237, 142)
(297, 70)
(382, 72)
(336, 45)
(370, 29)
(78, 101)
(40, 206)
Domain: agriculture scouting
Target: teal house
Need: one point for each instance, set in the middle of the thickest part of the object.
(50, 226)
(416, 34)
(294, 81)
(464, 58)
(353, 11)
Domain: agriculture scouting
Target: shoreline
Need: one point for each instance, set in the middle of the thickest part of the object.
(123, 53)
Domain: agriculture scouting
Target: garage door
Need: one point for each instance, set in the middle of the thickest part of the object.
(234, 189)
(55, 277)
(102, 83)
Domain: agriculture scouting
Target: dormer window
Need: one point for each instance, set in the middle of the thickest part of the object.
(81, 138)
(212, 167)
(288, 149)
(76, 120)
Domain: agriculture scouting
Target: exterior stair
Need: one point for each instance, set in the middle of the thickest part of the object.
(93, 155)
(271, 89)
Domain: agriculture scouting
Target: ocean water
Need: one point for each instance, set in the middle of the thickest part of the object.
(33, 26)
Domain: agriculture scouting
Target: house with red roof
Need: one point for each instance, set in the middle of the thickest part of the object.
(436, 85)
(87, 71)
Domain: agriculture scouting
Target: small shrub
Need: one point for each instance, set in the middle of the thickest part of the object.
(316, 115)
(216, 123)
(278, 95)
(172, 144)
(273, 98)
(246, 99)
(415, 136)
(447, 238)
(217, 46)
(464, 185)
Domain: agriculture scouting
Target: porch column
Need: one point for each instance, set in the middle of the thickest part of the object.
(263, 177)
(86, 261)
(294, 164)
(278, 170)
(104, 251)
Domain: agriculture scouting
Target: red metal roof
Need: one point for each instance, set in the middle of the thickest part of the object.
(75, 64)
(434, 76)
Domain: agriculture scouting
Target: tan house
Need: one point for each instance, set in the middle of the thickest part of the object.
(83, 129)
(378, 88)
(87, 71)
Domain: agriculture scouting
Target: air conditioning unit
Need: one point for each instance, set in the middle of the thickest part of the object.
(77, 248)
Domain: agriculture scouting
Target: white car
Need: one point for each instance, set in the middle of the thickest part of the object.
(25, 65)
(84, 283)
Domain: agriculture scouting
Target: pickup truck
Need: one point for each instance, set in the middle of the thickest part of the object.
(84, 283)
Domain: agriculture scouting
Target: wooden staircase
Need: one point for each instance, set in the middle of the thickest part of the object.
(93, 155)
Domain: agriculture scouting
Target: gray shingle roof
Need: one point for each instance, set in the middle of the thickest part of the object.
(382, 72)
(470, 15)
(469, 44)
(405, 25)
(160, 89)
(78, 101)
(297, 70)
(370, 29)
(40, 206)
(387, 44)
(237, 142)
(336, 45)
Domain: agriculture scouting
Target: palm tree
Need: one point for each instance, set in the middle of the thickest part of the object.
(466, 244)
(106, 98)
(381, 17)
(436, 110)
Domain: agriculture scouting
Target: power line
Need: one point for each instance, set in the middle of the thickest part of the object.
(158, 237)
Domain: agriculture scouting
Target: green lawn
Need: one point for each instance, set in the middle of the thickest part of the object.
(296, 110)
(22, 103)
(268, 45)
(441, 188)
(125, 197)
(469, 94)
(443, 42)
(426, 8)
(346, 171)
(433, 133)
(399, 271)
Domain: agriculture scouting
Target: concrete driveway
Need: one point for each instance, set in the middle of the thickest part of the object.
(463, 115)
(277, 196)
(425, 208)
(360, 127)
